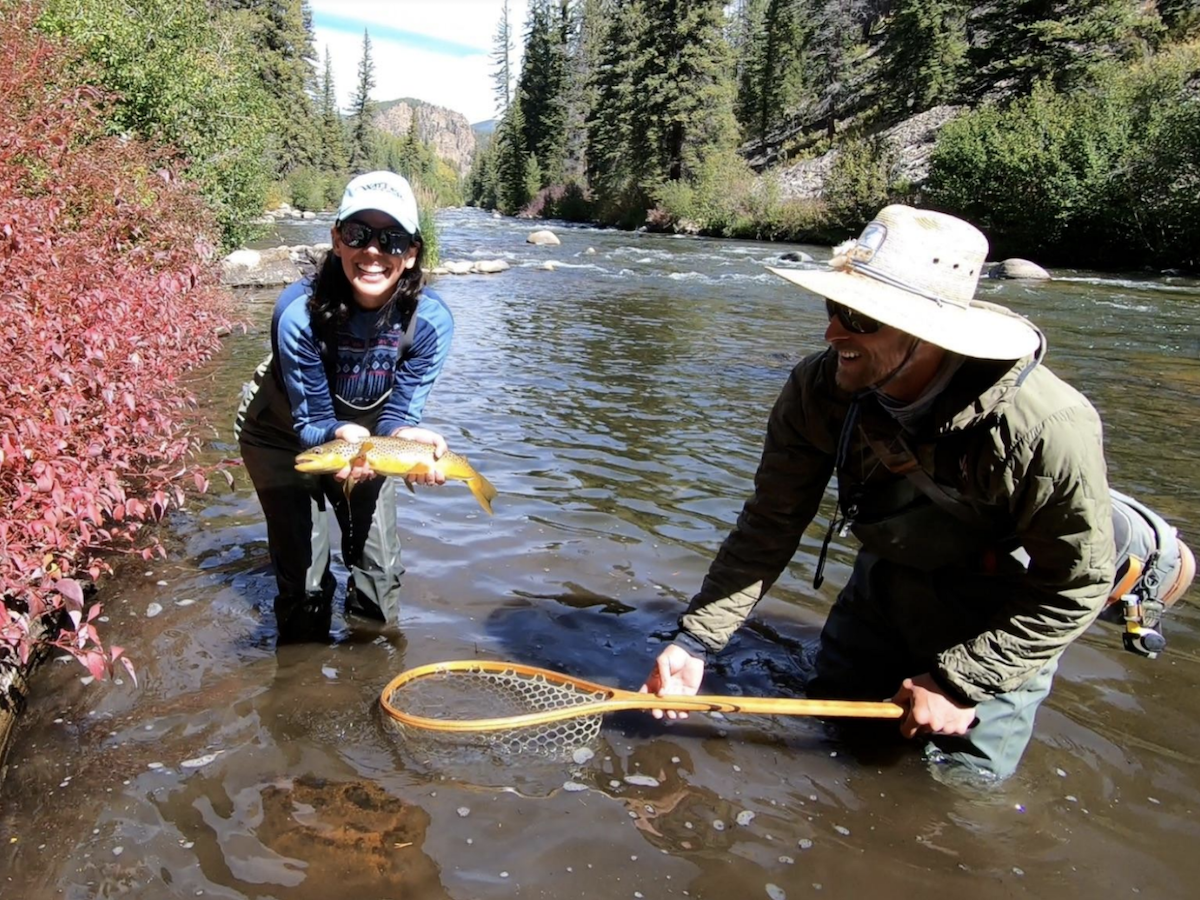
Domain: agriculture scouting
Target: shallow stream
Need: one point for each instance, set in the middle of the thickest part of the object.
(617, 402)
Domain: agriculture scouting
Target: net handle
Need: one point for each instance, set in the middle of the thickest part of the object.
(615, 699)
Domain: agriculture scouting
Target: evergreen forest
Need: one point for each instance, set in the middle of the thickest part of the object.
(1071, 125)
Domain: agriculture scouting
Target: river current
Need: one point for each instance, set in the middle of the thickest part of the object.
(614, 389)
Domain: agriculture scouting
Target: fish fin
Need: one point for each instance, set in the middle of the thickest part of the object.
(483, 491)
(348, 485)
(408, 484)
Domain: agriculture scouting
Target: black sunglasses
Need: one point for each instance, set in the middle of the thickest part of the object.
(393, 240)
(852, 320)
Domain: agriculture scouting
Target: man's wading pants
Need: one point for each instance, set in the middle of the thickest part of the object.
(295, 505)
(890, 622)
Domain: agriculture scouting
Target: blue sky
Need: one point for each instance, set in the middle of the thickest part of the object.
(434, 50)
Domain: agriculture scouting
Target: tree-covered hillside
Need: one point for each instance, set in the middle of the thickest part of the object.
(1072, 139)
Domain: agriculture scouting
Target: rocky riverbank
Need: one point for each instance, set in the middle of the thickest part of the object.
(282, 265)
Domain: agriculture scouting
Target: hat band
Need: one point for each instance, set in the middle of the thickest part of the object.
(871, 272)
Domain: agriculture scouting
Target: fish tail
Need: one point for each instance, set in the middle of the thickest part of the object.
(483, 491)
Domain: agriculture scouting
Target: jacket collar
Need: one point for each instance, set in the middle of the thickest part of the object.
(982, 389)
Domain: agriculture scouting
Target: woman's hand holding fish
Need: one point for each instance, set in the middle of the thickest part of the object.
(675, 672)
(424, 436)
(358, 469)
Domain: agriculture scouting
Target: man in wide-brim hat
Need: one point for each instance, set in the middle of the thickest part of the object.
(973, 477)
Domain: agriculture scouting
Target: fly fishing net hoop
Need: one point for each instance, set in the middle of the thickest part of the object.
(502, 706)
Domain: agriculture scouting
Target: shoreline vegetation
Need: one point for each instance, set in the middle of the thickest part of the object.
(107, 262)
(140, 141)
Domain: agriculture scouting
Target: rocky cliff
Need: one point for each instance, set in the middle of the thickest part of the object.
(447, 132)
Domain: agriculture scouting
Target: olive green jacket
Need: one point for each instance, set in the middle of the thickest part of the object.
(1012, 442)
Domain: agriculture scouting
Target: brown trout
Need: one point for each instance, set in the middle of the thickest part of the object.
(395, 456)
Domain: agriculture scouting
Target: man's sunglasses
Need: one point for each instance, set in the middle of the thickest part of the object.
(852, 320)
(392, 239)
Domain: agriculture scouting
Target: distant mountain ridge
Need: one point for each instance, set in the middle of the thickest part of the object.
(449, 133)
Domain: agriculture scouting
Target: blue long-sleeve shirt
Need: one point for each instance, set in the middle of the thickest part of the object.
(368, 364)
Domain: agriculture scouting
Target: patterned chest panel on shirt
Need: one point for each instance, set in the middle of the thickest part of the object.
(366, 366)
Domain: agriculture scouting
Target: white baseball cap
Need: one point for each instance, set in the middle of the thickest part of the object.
(385, 191)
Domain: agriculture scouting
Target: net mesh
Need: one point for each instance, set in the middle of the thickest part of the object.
(467, 694)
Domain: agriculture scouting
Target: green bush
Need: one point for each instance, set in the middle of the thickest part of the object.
(713, 201)
(1091, 178)
(1036, 175)
(315, 190)
(859, 182)
(426, 205)
(1159, 184)
(183, 78)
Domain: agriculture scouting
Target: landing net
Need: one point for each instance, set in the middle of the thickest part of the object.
(496, 705)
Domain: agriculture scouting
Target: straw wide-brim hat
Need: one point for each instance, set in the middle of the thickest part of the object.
(917, 270)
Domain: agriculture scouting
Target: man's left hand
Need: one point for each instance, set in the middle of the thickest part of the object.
(930, 710)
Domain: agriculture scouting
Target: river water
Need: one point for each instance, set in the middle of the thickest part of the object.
(617, 402)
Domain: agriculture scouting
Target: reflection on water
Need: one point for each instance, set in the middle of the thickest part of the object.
(617, 403)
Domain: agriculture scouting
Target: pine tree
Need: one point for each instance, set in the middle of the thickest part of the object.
(778, 79)
(333, 132)
(1061, 42)
(748, 29)
(583, 58)
(839, 29)
(511, 160)
(542, 85)
(615, 125)
(687, 106)
(282, 33)
(1180, 17)
(502, 61)
(481, 180)
(362, 111)
(923, 53)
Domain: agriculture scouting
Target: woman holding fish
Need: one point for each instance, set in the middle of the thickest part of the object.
(355, 351)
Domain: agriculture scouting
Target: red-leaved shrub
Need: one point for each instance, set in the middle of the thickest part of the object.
(107, 294)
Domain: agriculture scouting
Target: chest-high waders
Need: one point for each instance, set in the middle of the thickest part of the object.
(923, 582)
(295, 505)
(933, 570)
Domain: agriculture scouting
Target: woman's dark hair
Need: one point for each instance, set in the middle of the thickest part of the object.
(333, 298)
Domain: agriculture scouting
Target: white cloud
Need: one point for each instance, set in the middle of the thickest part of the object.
(433, 50)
